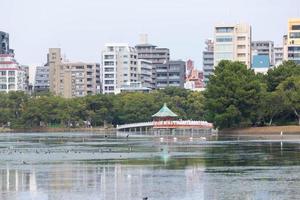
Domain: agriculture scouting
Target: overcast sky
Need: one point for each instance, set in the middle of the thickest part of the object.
(82, 27)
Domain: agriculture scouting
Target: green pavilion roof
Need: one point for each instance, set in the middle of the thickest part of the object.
(165, 112)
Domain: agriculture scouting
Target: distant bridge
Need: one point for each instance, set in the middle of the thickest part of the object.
(166, 125)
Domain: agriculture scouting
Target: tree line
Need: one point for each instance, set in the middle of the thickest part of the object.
(234, 97)
(237, 97)
(19, 110)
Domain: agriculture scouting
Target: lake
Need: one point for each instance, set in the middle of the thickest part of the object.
(46, 166)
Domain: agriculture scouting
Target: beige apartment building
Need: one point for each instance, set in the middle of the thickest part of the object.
(291, 41)
(233, 42)
(72, 79)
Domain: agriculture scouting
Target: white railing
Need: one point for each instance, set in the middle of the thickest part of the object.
(135, 125)
(203, 124)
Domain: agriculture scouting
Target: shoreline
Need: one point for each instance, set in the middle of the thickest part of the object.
(266, 130)
(49, 130)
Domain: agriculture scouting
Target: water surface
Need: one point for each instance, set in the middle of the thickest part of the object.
(46, 166)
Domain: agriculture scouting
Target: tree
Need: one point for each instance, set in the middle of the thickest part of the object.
(290, 91)
(278, 74)
(271, 105)
(232, 95)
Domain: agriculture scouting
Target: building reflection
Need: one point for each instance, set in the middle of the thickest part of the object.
(99, 181)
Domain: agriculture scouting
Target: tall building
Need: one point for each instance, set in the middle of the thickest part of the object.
(278, 55)
(4, 43)
(152, 53)
(72, 79)
(119, 66)
(264, 48)
(145, 73)
(12, 75)
(292, 41)
(233, 42)
(208, 60)
(41, 81)
(171, 73)
(27, 86)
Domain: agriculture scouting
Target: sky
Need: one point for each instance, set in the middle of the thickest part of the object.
(82, 27)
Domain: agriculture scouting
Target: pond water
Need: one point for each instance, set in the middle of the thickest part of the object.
(77, 166)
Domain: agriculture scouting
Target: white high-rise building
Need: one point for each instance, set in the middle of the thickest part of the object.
(278, 56)
(233, 42)
(119, 66)
(12, 76)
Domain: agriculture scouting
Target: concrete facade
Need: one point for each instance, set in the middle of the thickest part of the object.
(12, 76)
(171, 73)
(4, 43)
(72, 79)
(41, 81)
(278, 56)
(292, 41)
(145, 73)
(152, 53)
(119, 66)
(264, 48)
(208, 60)
(233, 42)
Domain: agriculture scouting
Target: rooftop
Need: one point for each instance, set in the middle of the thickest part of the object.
(165, 112)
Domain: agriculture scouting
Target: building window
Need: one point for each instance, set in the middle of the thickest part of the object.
(109, 69)
(11, 79)
(3, 73)
(109, 63)
(108, 56)
(224, 29)
(224, 39)
(241, 38)
(11, 86)
(11, 73)
(295, 35)
(241, 46)
(3, 86)
(109, 75)
(109, 82)
(296, 27)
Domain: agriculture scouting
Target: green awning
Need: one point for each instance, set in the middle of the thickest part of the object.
(165, 112)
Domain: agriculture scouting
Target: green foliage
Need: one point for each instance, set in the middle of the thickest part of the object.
(232, 95)
(46, 110)
(289, 89)
(278, 74)
(237, 97)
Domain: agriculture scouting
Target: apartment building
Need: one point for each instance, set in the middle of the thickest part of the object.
(4, 43)
(233, 42)
(119, 66)
(41, 81)
(72, 79)
(145, 73)
(208, 60)
(263, 48)
(171, 73)
(278, 56)
(152, 53)
(12, 76)
(292, 41)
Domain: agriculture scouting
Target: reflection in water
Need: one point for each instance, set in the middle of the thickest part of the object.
(69, 167)
(100, 182)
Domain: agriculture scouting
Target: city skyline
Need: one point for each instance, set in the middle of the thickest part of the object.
(82, 28)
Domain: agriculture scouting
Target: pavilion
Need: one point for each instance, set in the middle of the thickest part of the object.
(164, 114)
